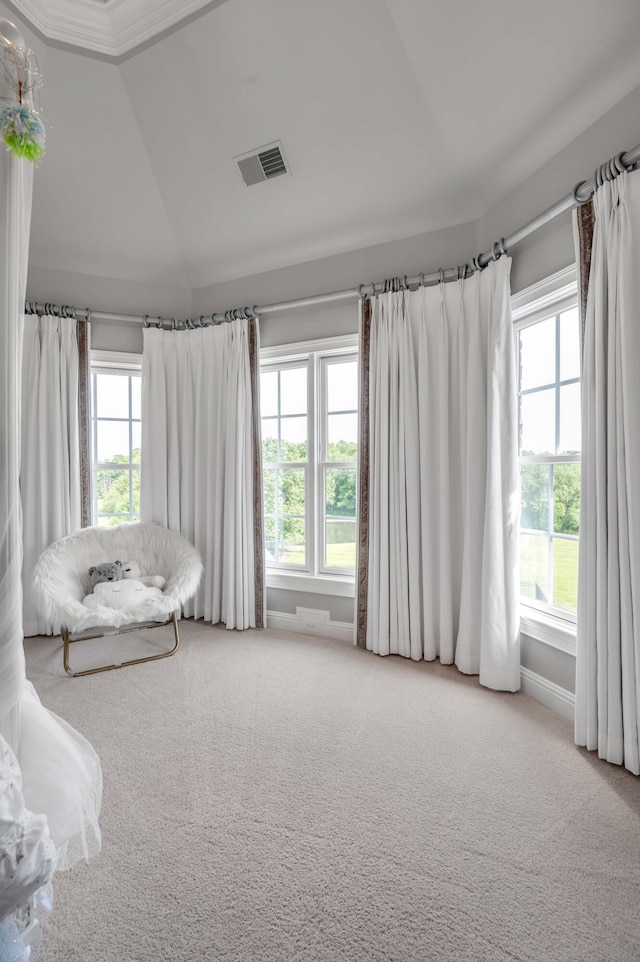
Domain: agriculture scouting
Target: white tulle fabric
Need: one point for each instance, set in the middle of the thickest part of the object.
(27, 853)
(197, 472)
(61, 577)
(443, 475)
(61, 777)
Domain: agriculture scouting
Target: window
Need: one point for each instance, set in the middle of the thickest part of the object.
(309, 407)
(548, 343)
(115, 432)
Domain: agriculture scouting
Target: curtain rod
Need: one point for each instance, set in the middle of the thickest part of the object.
(581, 194)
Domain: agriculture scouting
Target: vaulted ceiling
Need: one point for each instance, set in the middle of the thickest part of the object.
(396, 117)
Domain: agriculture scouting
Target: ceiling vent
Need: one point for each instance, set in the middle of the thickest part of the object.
(262, 164)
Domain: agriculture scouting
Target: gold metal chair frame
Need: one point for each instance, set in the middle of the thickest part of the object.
(67, 640)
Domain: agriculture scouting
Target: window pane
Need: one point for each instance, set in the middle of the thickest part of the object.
(112, 395)
(269, 440)
(269, 393)
(270, 538)
(136, 432)
(566, 498)
(570, 436)
(291, 541)
(535, 496)
(534, 567)
(340, 492)
(569, 345)
(112, 492)
(285, 540)
(538, 423)
(291, 490)
(565, 573)
(113, 441)
(340, 544)
(136, 393)
(135, 492)
(342, 437)
(538, 354)
(293, 390)
(293, 439)
(342, 386)
(269, 490)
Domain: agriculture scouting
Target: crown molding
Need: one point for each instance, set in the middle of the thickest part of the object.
(108, 27)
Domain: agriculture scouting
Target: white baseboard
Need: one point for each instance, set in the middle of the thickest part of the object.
(548, 693)
(311, 621)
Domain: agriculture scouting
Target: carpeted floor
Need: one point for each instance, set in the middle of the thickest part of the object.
(278, 797)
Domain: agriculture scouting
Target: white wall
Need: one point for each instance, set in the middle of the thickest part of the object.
(338, 273)
(112, 296)
(551, 248)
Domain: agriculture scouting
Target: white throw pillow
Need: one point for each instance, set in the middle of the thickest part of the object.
(127, 593)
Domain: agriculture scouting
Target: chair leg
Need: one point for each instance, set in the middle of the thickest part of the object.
(67, 640)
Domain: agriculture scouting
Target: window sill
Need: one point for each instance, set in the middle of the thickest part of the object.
(343, 587)
(548, 629)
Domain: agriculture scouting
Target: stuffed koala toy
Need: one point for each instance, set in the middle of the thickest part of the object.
(131, 569)
(109, 571)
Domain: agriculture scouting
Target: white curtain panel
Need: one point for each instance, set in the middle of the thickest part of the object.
(50, 471)
(444, 489)
(608, 637)
(197, 461)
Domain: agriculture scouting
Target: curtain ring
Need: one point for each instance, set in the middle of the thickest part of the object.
(73, 313)
(498, 249)
(88, 310)
(440, 275)
(173, 323)
(620, 167)
(145, 321)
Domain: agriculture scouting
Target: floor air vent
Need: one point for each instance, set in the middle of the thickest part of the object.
(263, 164)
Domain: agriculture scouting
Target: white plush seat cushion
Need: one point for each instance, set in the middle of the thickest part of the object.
(61, 577)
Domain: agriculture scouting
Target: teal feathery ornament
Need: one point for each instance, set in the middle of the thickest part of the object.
(23, 131)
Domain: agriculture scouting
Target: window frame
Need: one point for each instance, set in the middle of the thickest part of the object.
(548, 298)
(127, 365)
(317, 354)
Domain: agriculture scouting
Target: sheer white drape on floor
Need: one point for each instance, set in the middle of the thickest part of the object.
(608, 636)
(198, 460)
(443, 477)
(61, 775)
(50, 470)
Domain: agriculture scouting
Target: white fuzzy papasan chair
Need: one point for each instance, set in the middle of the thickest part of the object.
(61, 581)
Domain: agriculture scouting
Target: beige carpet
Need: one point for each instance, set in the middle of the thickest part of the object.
(271, 796)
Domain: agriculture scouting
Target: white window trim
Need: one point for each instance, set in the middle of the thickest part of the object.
(338, 584)
(551, 295)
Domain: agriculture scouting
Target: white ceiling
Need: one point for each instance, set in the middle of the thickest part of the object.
(397, 117)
